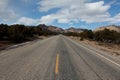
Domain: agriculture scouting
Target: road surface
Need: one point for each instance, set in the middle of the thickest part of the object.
(57, 58)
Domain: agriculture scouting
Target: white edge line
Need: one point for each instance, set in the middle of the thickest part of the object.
(102, 56)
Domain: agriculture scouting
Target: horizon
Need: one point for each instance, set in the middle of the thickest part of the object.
(84, 14)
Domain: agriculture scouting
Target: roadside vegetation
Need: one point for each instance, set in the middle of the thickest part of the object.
(19, 33)
(105, 36)
(107, 40)
(72, 34)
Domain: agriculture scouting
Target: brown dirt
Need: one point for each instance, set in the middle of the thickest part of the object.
(5, 44)
(114, 49)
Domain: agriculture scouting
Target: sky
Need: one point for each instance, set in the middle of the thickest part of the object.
(88, 14)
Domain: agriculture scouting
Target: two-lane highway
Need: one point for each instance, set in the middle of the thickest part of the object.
(57, 58)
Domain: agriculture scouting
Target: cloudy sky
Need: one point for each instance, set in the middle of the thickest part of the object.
(62, 13)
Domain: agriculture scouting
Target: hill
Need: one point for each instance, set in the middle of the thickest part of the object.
(51, 28)
(111, 27)
(76, 30)
(57, 29)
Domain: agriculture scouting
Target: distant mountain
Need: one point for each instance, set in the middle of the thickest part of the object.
(57, 29)
(72, 29)
(111, 27)
(51, 28)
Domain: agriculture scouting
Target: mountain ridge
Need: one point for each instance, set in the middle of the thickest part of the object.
(61, 30)
(77, 30)
(110, 27)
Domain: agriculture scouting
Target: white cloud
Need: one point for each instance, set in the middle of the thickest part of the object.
(74, 11)
(115, 19)
(27, 21)
(63, 21)
(46, 5)
(5, 12)
(47, 19)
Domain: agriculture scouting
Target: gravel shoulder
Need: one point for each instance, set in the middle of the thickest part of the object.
(113, 49)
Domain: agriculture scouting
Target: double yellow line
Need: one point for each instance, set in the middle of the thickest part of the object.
(57, 65)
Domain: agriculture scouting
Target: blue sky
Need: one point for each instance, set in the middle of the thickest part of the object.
(88, 14)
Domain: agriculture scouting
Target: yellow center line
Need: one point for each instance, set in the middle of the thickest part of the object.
(57, 64)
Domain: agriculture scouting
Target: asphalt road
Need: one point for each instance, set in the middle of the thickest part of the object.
(58, 58)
